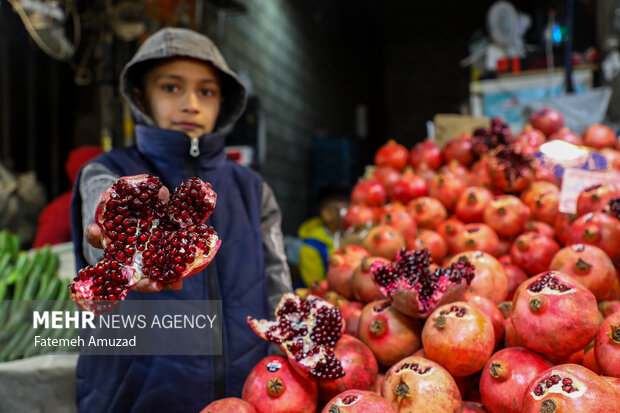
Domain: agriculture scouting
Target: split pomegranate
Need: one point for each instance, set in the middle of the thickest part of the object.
(489, 280)
(362, 285)
(392, 154)
(599, 136)
(554, 314)
(359, 365)
(459, 337)
(416, 384)
(229, 404)
(607, 346)
(383, 241)
(570, 388)
(510, 171)
(427, 211)
(414, 288)
(358, 401)
(472, 202)
(273, 386)
(390, 334)
(459, 149)
(590, 266)
(145, 236)
(533, 252)
(426, 152)
(547, 120)
(307, 332)
(505, 378)
(507, 215)
(485, 140)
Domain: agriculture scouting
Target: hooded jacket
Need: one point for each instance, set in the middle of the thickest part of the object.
(247, 220)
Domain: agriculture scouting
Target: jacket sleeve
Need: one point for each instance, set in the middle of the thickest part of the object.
(276, 268)
(94, 180)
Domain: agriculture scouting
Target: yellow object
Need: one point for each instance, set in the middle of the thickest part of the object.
(317, 247)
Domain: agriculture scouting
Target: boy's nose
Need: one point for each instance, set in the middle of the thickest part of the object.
(192, 102)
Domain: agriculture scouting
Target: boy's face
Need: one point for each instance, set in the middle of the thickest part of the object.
(183, 95)
(330, 214)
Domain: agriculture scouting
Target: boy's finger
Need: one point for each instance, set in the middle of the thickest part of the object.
(148, 285)
(164, 193)
(93, 235)
(175, 285)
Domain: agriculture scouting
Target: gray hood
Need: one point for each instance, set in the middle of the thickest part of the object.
(170, 42)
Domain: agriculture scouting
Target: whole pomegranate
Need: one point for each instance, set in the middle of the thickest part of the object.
(489, 277)
(528, 141)
(595, 198)
(390, 334)
(145, 236)
(387, 176)
(515, 276)
(426, 152)
(589, 362)
(383, 241)
(427, 211)
(358, 215)
(614, 381)
(570, 388)
(540, 228)
(599, 136)
(507, 215)
(392, 154)
(477, 237)
(369, 192)
(533, 252)
(489, 309)
(607, 308)
(543, 199)
(359, 365)
(590, 266)
(309, 341)
(448, 230)
(459, 337)
(554, 314)
(471, 204)
(341, 265)
(362, 285)
(607, 346)
(566, 135)
(479, 175)
(562, 227)
(408, 186)
(547, 120)
(599, 229)
(358, 401)
(459, 149)
(425, 238)
(446, 187)
(400, 220)
(414, 288)
(229, 404)
(417, 384)
(351, 312)
(273, 386)
(506, 376)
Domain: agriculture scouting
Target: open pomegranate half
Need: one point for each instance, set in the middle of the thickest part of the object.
(307, 331)
(145, 236)
(414, 288)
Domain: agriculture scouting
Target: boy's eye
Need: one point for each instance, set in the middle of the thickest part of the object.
(169, 87)
(207, 92)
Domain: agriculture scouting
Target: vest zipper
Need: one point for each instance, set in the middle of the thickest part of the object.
(194, 149)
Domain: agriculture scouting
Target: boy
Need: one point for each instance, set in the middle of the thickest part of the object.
(184, 98)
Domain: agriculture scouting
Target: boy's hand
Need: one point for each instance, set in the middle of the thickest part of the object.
(94, 237)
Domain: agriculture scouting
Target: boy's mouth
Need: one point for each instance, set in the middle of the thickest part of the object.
(187, 125)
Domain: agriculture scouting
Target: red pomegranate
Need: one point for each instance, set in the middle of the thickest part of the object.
(512, 337)
(318, 288)
(547, 120)
(543, 199)
(359, 365)
(425, 238)
(459, 149)
(408, 186)
(554, 314)
(362, 285)
(614, 381)
(533, 252)
(595, 198)
(590, 266)
(273, 386)
(589, 362)
(400, 220)
(417, 384)
(340, 269)
(229, 404)
(566, 135)
(515, 276)
(459, 337)
(607, 346)
(448, 230)
(390, 334)
(607, 308)
(540, 228)
(446, 188)
(309, 342)
(570, 388)
(507, 215)
(369, 192)
(387, 176)
(479, 175)
(147, 237)
(358, 215)
(383, 241)
(392, 154)
(510, 171)
(426, 152)
(358, 401)
(414, 288)
(599, 229)
(351, 312)
(477, 237)
(491, 311)
(562, 227)
(471, 204)
(528, 141)
(378, 383)
(490, 279)
(599, 136)
(427, 211)
(425, 171)
(506, 376)
(455, 168)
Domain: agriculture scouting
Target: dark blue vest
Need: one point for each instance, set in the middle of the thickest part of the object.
(236, 277)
